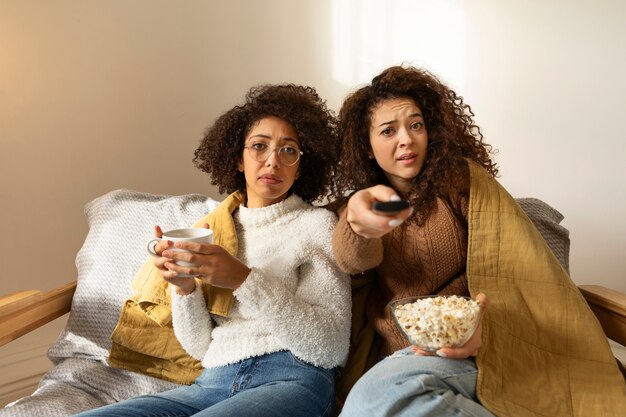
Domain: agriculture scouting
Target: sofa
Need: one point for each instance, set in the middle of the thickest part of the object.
(120, 223)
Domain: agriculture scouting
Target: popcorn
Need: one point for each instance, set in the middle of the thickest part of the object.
(435, 322)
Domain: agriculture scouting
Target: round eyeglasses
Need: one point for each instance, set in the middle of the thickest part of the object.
(287, 155)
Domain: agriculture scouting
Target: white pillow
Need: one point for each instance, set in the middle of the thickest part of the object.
(121, 222)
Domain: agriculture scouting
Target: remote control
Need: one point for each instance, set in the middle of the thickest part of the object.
(389, 207)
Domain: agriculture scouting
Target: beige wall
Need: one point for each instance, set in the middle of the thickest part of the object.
(99, 95)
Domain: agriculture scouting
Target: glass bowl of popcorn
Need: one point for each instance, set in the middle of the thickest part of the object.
(435, 321)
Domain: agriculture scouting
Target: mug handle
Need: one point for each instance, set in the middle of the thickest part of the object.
(150, 247)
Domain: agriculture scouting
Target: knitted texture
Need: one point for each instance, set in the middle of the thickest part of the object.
(430, 259)
(295, 298)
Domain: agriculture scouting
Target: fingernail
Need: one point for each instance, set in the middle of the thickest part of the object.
(395, 222)
(395, 197)
(165, 254)
(441, 353)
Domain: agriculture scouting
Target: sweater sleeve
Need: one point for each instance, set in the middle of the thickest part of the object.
(314, 323)
(354, 253)
(192, 322)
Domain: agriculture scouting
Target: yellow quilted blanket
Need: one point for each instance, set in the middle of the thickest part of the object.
(544, 352)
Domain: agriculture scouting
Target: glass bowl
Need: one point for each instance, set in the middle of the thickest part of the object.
(434, 321)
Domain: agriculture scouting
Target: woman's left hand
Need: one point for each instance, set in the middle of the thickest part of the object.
(214, 265)
(470, 348)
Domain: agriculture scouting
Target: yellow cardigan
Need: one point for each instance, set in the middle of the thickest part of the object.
(143, 340)
(544, 352)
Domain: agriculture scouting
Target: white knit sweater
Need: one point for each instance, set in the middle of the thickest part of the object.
(295, 298)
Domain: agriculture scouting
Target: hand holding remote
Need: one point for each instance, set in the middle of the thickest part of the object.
(375, 211)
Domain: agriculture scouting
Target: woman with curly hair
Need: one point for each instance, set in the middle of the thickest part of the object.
(277, 351)
(407, 136)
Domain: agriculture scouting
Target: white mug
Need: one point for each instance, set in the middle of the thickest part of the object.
(199, 235)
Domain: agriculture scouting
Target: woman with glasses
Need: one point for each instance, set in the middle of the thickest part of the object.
(277, 351)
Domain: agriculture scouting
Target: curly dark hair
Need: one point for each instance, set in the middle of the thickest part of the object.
(452, 137)
(316, 126)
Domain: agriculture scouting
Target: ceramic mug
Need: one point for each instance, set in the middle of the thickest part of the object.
(199, 235)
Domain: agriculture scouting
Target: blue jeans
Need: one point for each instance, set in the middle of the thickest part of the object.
(405, 384)
(276, 384)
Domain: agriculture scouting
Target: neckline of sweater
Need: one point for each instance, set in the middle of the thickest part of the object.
(281, 211)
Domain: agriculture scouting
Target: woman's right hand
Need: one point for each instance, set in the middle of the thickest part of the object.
(184, 285)
(367, 223)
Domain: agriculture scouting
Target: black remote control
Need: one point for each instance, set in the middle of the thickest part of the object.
(389, 207)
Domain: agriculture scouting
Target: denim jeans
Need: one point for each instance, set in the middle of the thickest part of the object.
(276, 384)
(405, 384)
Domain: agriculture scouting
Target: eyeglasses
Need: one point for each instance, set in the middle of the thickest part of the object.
(287, 155)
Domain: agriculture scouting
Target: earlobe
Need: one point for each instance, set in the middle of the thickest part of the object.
(240, 166)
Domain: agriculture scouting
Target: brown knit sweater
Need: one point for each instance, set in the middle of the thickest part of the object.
(410, 260)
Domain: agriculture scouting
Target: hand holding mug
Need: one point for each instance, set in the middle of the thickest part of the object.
(214, 265)
(164, 241)
(160, 246)
(156, 246)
